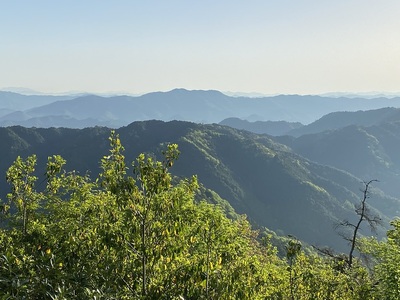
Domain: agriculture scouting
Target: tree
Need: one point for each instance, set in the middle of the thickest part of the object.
(23, 194)
(387, 263)
(364, 214)
(139, 234)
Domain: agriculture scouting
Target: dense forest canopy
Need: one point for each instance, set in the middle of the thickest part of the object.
(275, 187)
(136, 232)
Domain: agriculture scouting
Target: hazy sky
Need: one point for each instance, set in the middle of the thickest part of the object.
(281, 46)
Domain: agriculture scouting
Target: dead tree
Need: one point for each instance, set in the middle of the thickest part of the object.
(364, 214)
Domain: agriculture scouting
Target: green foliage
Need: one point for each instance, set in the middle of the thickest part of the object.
(23, 195)
(313, 277)
(138, 233)
(386, 256)
(259, 177)
(122, 236)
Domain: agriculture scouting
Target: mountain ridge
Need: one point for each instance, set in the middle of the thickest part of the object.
(196, 106)
(273, 186)
(274, 128)
(340, 119)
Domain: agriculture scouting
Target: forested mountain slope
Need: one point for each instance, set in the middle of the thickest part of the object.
(259, 177)
(367, 152)
(274, 128)
(341, 119)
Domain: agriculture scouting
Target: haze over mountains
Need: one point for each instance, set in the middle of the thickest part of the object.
(364, 143)
(178, 104)
(294, 164)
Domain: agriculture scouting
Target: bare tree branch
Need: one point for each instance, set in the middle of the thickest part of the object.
(364, 214)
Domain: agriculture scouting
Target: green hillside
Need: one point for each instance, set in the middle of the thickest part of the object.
(274, 128)
(137, 232)
(261, 178)
(367, 152)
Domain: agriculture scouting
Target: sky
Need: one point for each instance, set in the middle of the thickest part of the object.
(269, 47)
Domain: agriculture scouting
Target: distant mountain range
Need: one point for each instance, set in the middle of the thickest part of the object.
(179, 104)
(340, 119)
(274, 128)
(364, 143)
(292, 178)
(11, 102)
(367, 95)
(266, 180)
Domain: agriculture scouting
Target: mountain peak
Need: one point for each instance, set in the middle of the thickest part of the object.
(185, 91)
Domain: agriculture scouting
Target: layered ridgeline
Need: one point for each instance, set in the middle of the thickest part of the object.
(275, 128)
(179, 104)
(340, 119)
(364, 143)
(259, 177)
